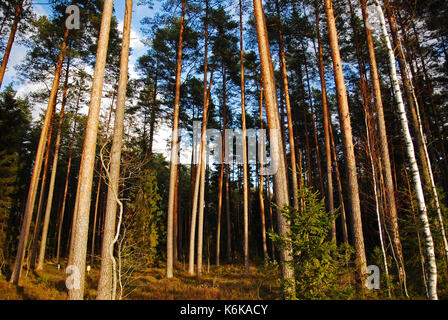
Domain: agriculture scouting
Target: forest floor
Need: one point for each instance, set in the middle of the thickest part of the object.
(227, 282)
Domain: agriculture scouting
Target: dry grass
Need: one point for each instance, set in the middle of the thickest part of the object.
(225, 282)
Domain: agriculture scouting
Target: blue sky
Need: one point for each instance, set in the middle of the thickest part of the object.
(139, 12)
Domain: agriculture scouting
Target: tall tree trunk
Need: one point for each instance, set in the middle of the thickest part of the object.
(198, 173)
(417, 123)
(288, 108)
(105, 284)
(84, 191)
(98, 190)
(429, 243)
(385, 158)
(43, 241)
(260, 191)
(25, 228)
(339, 187)
(313, 123)
(326, 120)
(277, 152)
(32, 254)
(10, 40)
(174, 150)
(344, 117)
(245, 171)
(220, 194)
(202, 165)
(154, 108)
(67, 175)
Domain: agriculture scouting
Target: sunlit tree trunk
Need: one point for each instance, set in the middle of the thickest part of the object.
(260, 191)
(32, 254)
(105, 290)
(174, 150)
(43, 241)
(326, 120)
(417, 124)
(385, 158)
(81, 225)
(245, 171)
(288, 107)
(12, 35)
(28, 213)
(67, 175)
(198, 173)
(344, 117)
(277, 152)
(429, 243)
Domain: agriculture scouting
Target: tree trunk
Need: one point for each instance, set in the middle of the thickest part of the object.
(174, 150)
(43, 241)
(200, 158)
(260, 191)
(245, 171)
(24, 231)
(423, 151)
(429, 244)
(288, 108)
(344, 117)
(107, 263)
(32, 253)
(10, 41)
(277, 152)
(81, 225)
(385, 158)
(326, 116)
(67, 175)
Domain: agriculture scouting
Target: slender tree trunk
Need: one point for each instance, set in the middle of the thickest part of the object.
(288, 108)
(385, 158)
(339, 185)
(202, 178)
(43, 241)
(313, 123)
(326, 120)
(277, 152)
(105, 290)
(10, 40)
(200, 158)
(175, 224)
(344, 116)
(260, 191)
(24, 231)
(429, 243)
(174, 150)
(67, 175)
(417, 123)
(32, 254)
(154, 108)
(81, 225)
(245, 171)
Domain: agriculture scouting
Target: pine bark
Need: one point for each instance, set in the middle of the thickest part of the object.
(43, 241)
(106, 271)
(326, 121)
(81, 226)
(245, 170)
(174, 150)
(281, 190)
(12, 35)
(31, 198)
(344, 117)
(385, 157)
(429, 243)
